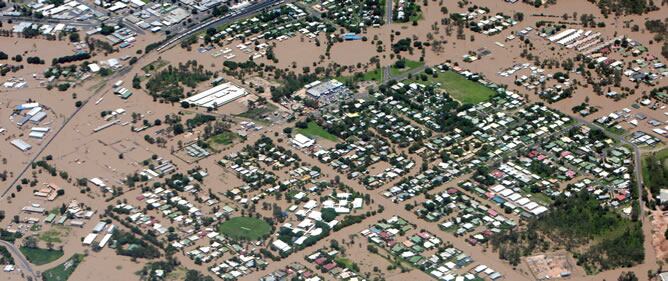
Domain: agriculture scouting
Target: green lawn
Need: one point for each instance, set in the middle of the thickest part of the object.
(314, 130)
(345, 262)
(462, 89)
(224, 138)
(410, 65)
(39, 256)
(63, 271)
(246, 228)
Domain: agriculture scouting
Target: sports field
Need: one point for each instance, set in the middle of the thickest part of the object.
(245, 228)
(462, 89)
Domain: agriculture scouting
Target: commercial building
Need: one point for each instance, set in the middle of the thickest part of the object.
(217, 96)
(302, 141)
(21, 145)
(319, 90)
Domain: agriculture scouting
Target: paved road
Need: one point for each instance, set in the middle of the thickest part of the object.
(388, 11)
(22, 261)
(387, 73)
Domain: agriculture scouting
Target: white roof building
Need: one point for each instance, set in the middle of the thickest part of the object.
(217, 96)
(302, 141)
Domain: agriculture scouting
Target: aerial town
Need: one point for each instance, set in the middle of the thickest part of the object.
(360, 140)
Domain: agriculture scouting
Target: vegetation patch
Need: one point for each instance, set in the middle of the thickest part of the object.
(38, 256)
(63, 271)
(224, 138)
(312, 129)
(5, 256)
(403, 66)
(155, 65)
(167, 85)
(245, 228)
(130, 245)
(656, 165)
(258, 113)
(599, 238)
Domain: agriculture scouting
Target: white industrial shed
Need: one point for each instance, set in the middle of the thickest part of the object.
(217, 96)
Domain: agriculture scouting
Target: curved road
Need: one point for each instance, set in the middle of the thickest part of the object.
(23, 262)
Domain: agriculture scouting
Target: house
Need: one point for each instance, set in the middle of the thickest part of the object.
(663, 196)
(21, 145)
(663, 276)
(281, 246)
(50, 192)
(88, 240)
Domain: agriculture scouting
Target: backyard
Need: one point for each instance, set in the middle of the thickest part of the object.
(245, 228)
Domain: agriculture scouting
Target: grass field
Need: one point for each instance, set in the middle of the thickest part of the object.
(224, 138)
(39, 256)
(54, 234)
(462, 89)
(63, 271)
(410, 65)
(314, 130)
(246, 228)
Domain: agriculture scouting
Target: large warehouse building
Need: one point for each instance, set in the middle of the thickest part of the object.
(217, 96)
